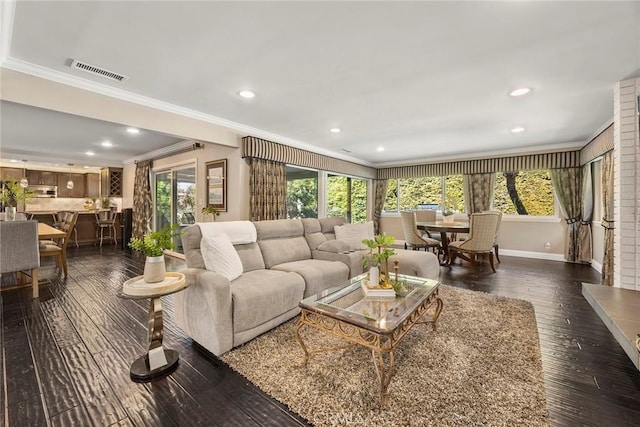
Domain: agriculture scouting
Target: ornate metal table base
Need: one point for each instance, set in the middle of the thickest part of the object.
(158, 360)
(381, 345)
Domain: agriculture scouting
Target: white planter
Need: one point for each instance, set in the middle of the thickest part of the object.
(374, 276)
(154, 269)
(448, 219)
(10, 213)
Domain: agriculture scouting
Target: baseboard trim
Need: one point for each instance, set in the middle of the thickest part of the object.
(527, 254)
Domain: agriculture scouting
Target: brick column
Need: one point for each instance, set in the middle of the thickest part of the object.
(626, 142)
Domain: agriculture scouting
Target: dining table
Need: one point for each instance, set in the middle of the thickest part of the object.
(443, 228)
(47, 232)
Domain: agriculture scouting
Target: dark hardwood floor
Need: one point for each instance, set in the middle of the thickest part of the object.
(65, 357)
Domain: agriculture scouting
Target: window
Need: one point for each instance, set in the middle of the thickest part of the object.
(524, 193)
(302, 193)
(425, 192)
(347, 197)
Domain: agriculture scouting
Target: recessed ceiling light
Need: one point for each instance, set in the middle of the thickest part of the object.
(13, 161)
(90, 153)
(520, 91)
(335, 130)
(133, 131)
(380, 149)
(107, 144)
(86, 167)
(246, 94)
(517, 129)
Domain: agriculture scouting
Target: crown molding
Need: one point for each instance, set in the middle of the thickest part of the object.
(123, 95)
(8, 12)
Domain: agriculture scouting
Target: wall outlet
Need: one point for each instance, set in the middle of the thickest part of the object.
(547, 245)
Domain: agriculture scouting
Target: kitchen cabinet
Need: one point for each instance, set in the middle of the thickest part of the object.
(42, 177)
(111, 182)
(11, 173)
(92, 185)
(78, 189)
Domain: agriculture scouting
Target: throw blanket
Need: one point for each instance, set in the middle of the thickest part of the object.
(239, 232)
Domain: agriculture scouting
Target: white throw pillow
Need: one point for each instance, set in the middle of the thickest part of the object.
(354, 234)
(220, 256)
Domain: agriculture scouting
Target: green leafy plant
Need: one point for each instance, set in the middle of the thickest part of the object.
(13, 194)
(105, 203)
(447, 212)
(379, 250)
(153, 244)
(210, 210)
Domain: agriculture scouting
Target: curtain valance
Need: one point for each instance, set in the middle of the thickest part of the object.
(268, 150)
(565, 159)
(597, 146)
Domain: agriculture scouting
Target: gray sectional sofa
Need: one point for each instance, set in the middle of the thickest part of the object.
(288, 261)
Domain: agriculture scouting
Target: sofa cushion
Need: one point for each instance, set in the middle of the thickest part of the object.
(354, 234)
(313, 233)
(261, 295)
(251, 257)
(282, 241)
(220, 256)
(334, 246)
(327, 226)
(318, 274)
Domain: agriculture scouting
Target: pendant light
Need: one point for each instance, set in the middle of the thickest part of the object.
(70, 182)
(24, 182)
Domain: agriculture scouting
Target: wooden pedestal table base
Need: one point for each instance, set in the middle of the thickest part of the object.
(158, 360)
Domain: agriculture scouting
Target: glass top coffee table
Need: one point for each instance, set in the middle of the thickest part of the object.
(378, 323)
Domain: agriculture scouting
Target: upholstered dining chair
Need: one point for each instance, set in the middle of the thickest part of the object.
(19, 252)
(427, 215)
(413, 237)
(496, 247)
(58, 249)
(482, 232)
(62, 217)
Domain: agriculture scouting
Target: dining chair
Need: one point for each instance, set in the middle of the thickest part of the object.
(496, 247)
(19, 252)
(427, 215)
(413, 237)
(65, 216)
(482, 233)
(58, 249)
(106, 220)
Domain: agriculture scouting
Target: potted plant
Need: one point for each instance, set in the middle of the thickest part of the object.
(11, 195)
(379, 251)
(447, 215)
(152, 245)
(105, 203)
(210, 210)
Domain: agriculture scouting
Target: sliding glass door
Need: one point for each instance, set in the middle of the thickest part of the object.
(175, 198)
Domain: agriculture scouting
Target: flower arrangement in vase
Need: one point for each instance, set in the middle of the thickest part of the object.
(11, 195)
(152, 245)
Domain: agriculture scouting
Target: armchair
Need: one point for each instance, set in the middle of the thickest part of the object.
(482, 233)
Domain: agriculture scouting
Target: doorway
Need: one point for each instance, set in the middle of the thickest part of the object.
(175, 198)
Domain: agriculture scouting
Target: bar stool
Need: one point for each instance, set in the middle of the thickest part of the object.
(106, 220)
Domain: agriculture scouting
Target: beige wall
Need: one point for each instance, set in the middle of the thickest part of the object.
(237, 179)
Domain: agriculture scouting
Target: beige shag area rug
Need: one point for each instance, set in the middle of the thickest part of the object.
(481, 367)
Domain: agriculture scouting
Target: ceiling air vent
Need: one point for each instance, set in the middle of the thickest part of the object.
(97, 70)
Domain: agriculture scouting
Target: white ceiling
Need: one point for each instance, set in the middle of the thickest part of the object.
(425, 80)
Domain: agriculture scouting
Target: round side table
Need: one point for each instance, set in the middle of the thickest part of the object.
(158, 360)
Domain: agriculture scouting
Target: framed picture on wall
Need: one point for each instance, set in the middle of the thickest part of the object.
(217, 184)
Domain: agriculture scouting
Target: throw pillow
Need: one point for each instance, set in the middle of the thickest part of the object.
(220, 256)
(354, 234)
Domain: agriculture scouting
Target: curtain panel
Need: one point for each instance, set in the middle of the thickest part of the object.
(379, 196)
(565, 159)
(267, 189)
(478, 191)
(567, 186)
(607, 218)
(142, 201)
(584, 233)
(253, 147)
